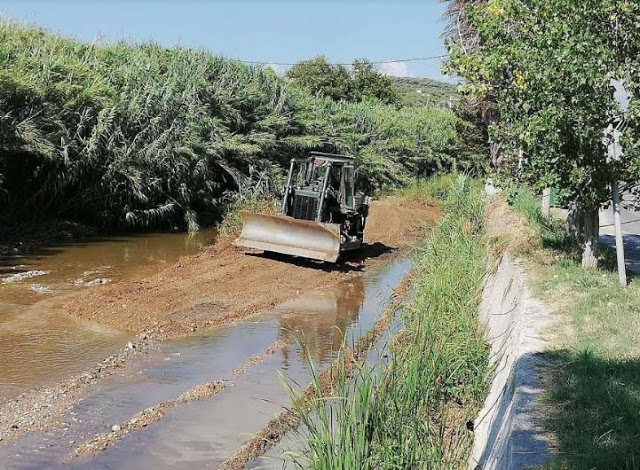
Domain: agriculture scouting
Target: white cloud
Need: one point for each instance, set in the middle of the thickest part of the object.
(395, 69)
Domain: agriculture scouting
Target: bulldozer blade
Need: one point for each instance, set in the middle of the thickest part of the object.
(284, 234)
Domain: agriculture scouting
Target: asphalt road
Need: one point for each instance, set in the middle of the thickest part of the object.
(631, 233)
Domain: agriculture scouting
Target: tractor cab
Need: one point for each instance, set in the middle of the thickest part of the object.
(321, 188)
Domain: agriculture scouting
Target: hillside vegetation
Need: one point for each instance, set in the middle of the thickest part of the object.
(417, 91)
(360, 82)
(137, 135)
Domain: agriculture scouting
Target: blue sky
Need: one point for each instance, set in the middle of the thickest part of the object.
(269, 31)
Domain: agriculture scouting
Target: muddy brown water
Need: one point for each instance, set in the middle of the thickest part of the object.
(204, 434)
(38, 343)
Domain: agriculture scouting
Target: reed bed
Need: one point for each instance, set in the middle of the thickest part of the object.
(137, 135)
(414, 411)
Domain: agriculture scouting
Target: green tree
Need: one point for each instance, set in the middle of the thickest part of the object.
(368, 82)
(361, 83)
(323, 78)
(546, 65)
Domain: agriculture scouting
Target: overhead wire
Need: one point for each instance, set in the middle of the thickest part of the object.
(283, 64)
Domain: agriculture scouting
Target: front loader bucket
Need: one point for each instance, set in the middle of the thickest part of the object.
(283, 234)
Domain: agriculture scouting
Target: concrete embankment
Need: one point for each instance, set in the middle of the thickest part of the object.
(508, 433)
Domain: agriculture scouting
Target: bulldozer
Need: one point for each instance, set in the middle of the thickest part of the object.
(322, 216)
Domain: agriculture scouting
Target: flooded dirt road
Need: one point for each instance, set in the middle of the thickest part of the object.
(39, 342)
(253, 360)
(213, 337)
(225, 284)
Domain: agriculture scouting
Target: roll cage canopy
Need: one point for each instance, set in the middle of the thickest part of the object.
(342, 160)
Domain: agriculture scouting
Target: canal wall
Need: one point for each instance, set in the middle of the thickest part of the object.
(507, 431)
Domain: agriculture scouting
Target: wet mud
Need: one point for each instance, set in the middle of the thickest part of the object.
(213, 345)
(225, 284)
(40, 343)
(247, 364)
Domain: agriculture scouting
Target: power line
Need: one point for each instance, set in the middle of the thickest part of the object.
(411, 59)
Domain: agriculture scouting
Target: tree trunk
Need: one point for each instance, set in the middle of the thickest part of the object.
(590, 243)
(494, 152)
(584, 227)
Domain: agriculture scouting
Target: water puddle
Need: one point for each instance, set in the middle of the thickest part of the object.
(289, 451)
(205, 433)
(113, 257)
(38, 343)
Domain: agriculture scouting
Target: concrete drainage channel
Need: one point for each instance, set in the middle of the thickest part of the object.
(507, 430)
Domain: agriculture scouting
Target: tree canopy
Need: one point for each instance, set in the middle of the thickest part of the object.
(545, 66)
(361, 83)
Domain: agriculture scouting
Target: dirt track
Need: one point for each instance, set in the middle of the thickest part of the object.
(224, 283)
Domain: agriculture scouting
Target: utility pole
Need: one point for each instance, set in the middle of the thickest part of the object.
(615, 151)
(615, 199)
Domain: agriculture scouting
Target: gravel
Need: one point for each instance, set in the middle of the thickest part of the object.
(17, 277)
(43, 408)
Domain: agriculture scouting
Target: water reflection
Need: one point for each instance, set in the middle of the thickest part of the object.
(205, 433)
(320, 319)
(116, 257)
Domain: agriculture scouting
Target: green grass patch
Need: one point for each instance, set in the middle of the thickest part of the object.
(597, 404)
(593, 382)
(605, 318)
(436, 187)
(550, 233)
(412, 412)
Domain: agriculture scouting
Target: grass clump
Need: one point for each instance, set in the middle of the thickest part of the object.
(436, 187)
(525, 202)
(256, 193)
(412, 412)
(548, 231)
(232, 222)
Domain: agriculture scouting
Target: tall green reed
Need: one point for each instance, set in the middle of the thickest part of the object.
(134, 134)
(412, 412)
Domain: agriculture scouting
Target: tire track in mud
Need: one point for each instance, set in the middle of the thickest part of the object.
(146, 417)
(277, 427)
(41, 409)
(288, 419)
